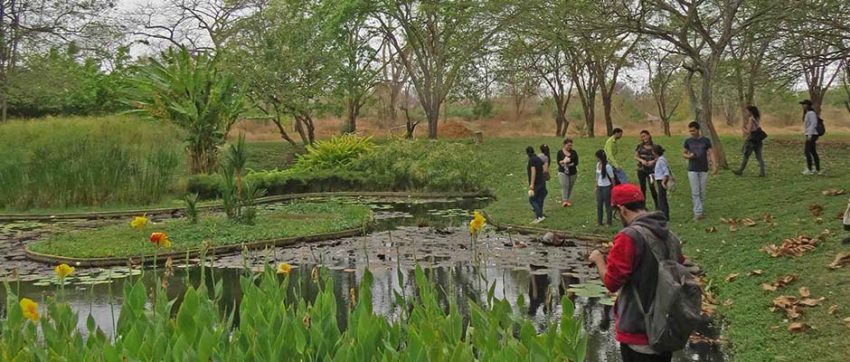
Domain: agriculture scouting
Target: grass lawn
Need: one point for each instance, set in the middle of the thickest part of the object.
(290, 220)
(756, 333)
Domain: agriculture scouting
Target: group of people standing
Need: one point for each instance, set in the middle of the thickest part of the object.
(653, 169)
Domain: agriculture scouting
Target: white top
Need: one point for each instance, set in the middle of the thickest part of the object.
(662, 169)
(601, 180)
(810, 123)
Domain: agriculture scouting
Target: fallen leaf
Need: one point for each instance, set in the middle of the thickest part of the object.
(794, 312)
(804, 292)
(727, 302)
(733, 228)
(731, 277)
(810, 302)
(833, 309)
(816, 210)
(833, 192)
(842, 259)
(798, 327)
(748, 222)
(755, 272)
(847, 322)
(796, 246)
(767, 217)
(784, 301)
(711, 229)
(818, 220)
(768, 287)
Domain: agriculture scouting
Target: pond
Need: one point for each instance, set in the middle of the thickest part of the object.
(430, 233)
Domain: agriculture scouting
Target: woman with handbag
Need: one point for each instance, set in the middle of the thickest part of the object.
(754, 141)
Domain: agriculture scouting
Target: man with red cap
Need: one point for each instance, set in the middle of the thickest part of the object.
(631, 264)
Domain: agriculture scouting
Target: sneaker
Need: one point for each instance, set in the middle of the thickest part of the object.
(808, 172)
(537, 220)
(540, 219)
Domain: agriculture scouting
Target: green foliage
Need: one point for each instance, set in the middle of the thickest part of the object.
(237, 195)
(336, 152)
(62, 163)
(194, 94)
(275, 325)
(279, 221)
(192, 213)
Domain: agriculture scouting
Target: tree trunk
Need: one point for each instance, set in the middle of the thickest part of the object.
(282, 131)
(607, 100)
(589, 119)
(351, 120)
(433, 118)
(707, 123)
(666, 123)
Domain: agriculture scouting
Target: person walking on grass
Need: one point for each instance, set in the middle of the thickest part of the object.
(646, 165)
(633, 267)
(698, 152)
(753, 141)
(663, 180)
(545, 156)
(567, 159)
(536, 184)
(612, 150)
(604, 182)
(810, 124)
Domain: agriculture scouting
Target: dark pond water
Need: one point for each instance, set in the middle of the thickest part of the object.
(409, 232)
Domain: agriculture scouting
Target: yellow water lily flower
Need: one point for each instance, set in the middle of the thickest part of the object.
(284, 268)
(477, 223)
(63, 270)
(139, 222)
(29, 309)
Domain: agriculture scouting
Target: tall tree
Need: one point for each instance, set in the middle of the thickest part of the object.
(31, 25)
(699, 30)
(434, 39)
(662, 66)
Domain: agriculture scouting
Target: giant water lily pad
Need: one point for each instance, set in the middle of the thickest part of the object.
(590, 289)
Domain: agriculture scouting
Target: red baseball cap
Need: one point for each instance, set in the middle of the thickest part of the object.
(625, 194)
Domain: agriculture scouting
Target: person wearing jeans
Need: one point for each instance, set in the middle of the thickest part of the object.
(612, 151)
(646, 164)
(810, 124)
(604, 183)
(567, 173)
(752, 144)
(536, 184)
(698, 152)
(662, 179)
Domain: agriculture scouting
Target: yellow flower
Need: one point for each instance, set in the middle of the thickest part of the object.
(139, 222)
(63, 270)
(284, 268)
(29, 309)
(477, 223)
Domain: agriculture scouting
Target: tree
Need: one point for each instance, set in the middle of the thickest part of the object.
(31, 25)
(358, 68)
(434, 39)
(285, 61)
(701, 31)
(516, 74)
(193, 93)
(662, 66)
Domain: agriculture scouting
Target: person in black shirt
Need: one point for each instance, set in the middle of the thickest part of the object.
(646, 164)
(567, 161)
(536, 184)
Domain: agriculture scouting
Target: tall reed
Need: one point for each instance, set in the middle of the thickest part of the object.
(77, 162)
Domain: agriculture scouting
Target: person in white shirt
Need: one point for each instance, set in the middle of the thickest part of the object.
(663, 179)
(604, 181)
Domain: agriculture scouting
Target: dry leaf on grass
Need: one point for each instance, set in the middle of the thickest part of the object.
(847, 322)
(733, 228)
(798, 327)
(731, 277)
(711, 229)
(833, 192)
(804, 292)
(767, 217)
(727, 302)
(755, 272)
(784, 301)
(779, 283)
(816, 210)
(768, 287)
(796, 246)
(748, 222)
(810, 302)
(697, 338)
(833, 309)
(841, 260)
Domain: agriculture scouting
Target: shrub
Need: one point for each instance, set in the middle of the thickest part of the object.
(336, 152)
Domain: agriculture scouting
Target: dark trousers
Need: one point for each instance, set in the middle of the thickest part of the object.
(536, 201)
(629, 355)
(811, 150)
(643, 177)
(749, 148)
(662, 204)
(603, 199)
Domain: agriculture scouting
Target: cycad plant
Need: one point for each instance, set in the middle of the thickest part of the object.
(190, 91)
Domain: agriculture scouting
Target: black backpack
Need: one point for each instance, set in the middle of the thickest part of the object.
(820, 127)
